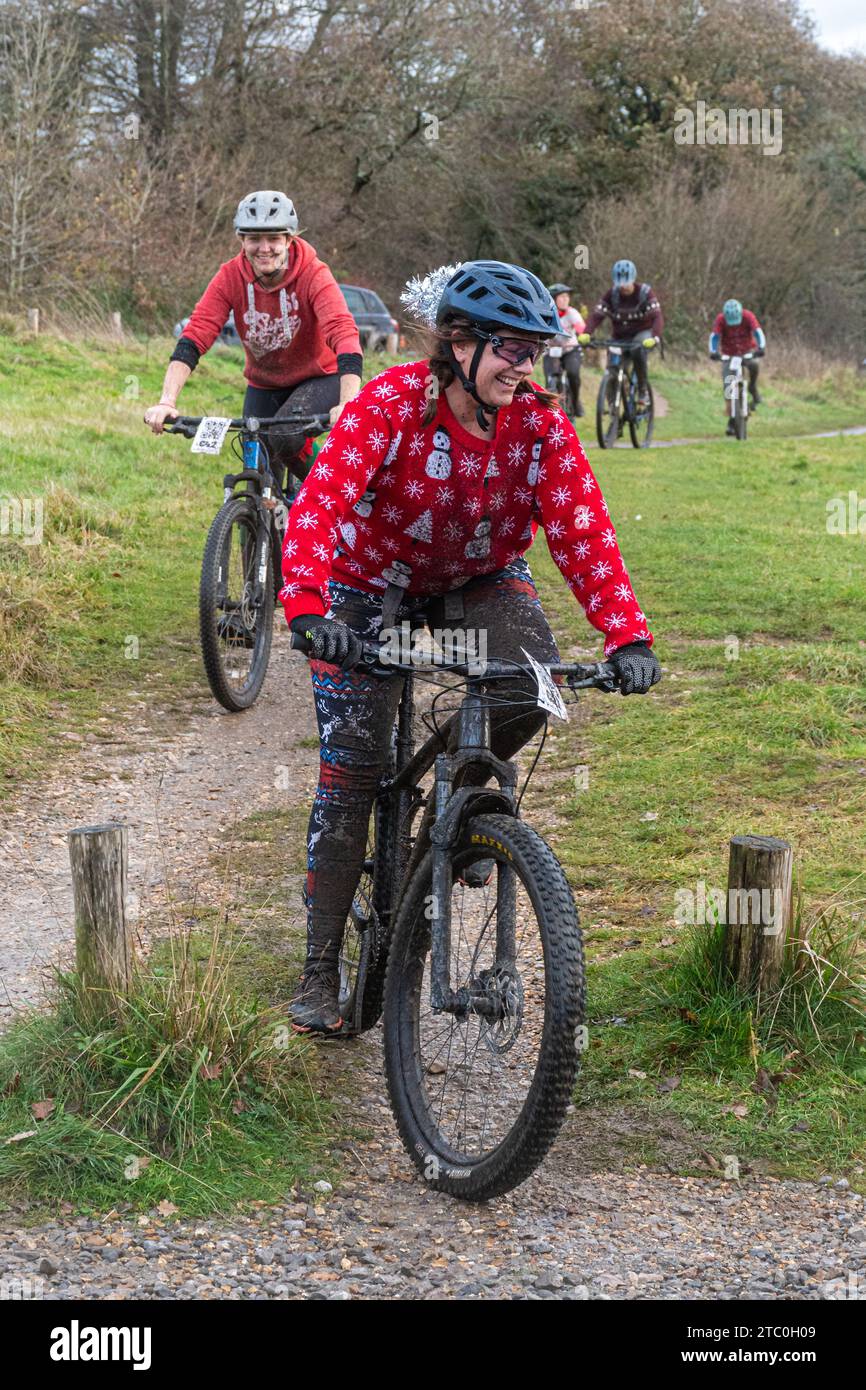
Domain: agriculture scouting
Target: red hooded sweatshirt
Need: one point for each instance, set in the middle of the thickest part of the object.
(289, 333)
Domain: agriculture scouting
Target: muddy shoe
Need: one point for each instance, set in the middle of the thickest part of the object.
(477, 875)
(732, 428)
(315, 1006)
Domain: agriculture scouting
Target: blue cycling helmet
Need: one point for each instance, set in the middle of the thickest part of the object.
(492, 294)
(624, 272)
(733, 312)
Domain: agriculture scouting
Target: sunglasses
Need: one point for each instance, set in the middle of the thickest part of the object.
(515, 350)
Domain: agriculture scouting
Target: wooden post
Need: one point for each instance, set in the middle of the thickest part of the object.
(117, 323)
(103, 943)
(33, 320)
(759, 911)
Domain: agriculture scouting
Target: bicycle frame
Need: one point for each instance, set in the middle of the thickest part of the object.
(453, 806)
(735, 384)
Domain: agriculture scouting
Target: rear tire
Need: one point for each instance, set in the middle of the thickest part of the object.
(235, 673)
(364, 953)
(554, 986)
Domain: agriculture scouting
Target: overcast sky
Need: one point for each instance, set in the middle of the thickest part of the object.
(841, 23)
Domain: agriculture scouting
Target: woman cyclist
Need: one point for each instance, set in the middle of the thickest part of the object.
(565, 356)
(303, 353)
(424, 499)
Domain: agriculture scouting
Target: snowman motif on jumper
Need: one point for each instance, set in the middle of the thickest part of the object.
(364, 504)
(349, 534)
(398, 572)
(532, 475)
(479, 546)
(438, 463)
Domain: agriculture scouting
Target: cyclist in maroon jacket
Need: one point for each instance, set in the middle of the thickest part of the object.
(635, 313)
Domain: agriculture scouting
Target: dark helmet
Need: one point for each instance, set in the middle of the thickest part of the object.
(492, 294)
(559, 288)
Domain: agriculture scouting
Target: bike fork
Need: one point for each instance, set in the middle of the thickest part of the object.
(439, 909)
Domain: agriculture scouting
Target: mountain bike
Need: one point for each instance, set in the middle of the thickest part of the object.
(467, 938)
(736, 389)
(618, 398)
(558, 380)
(241, 573)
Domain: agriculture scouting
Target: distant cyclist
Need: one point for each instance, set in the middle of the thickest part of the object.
(736, 331)
(302, 347)
(635, 313)
(566, 356)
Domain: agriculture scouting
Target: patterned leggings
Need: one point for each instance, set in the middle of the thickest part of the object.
(356, 713)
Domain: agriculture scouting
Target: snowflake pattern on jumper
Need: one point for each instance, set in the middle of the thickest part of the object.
(454, 505)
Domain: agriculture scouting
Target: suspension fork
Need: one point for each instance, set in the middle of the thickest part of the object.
(451, 806)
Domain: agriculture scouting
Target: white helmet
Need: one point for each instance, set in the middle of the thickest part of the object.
(266, 211)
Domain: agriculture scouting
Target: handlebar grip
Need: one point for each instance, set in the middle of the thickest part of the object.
(301, 643)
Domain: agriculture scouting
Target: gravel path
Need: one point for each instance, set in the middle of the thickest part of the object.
(569, 1233)
(590, 1224)
(178, 786)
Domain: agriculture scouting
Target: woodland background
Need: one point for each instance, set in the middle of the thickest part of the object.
(411, 132)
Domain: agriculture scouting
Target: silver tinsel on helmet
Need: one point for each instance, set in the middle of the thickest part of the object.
(422, 294)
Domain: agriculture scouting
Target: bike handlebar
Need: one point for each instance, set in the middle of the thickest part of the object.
(252, 424)
(743, 356)
(579, 675)
(648, 342)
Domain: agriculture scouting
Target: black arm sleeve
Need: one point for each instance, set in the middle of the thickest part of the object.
(186, 351)
(349, 363)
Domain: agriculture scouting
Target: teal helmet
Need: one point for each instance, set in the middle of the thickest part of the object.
(733, 312)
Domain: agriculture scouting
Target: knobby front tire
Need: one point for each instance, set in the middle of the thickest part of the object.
(641, 422)
(607, 411)
(453, 1084)
(228, 573)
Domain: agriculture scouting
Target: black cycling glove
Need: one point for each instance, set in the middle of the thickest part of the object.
(637, 668)
(330, 640)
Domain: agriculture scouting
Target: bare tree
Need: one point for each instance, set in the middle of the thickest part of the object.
(40, 103)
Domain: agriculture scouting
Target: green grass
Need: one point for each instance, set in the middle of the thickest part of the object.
(192, 1091)
(759, 726)
(106, 606)
(834, 400)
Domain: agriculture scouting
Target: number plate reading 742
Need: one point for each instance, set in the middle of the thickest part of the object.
(549, 697)
(210, 434)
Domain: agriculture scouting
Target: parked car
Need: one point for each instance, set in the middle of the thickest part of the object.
(228, 333)
(375, 324)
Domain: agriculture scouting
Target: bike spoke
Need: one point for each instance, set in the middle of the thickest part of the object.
(477, 1075)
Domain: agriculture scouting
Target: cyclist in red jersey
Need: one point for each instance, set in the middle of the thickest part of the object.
(423, 501)
(303, 353)
(735, 332)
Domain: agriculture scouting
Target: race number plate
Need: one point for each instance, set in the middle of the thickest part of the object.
(210, 435)
(549, 697)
